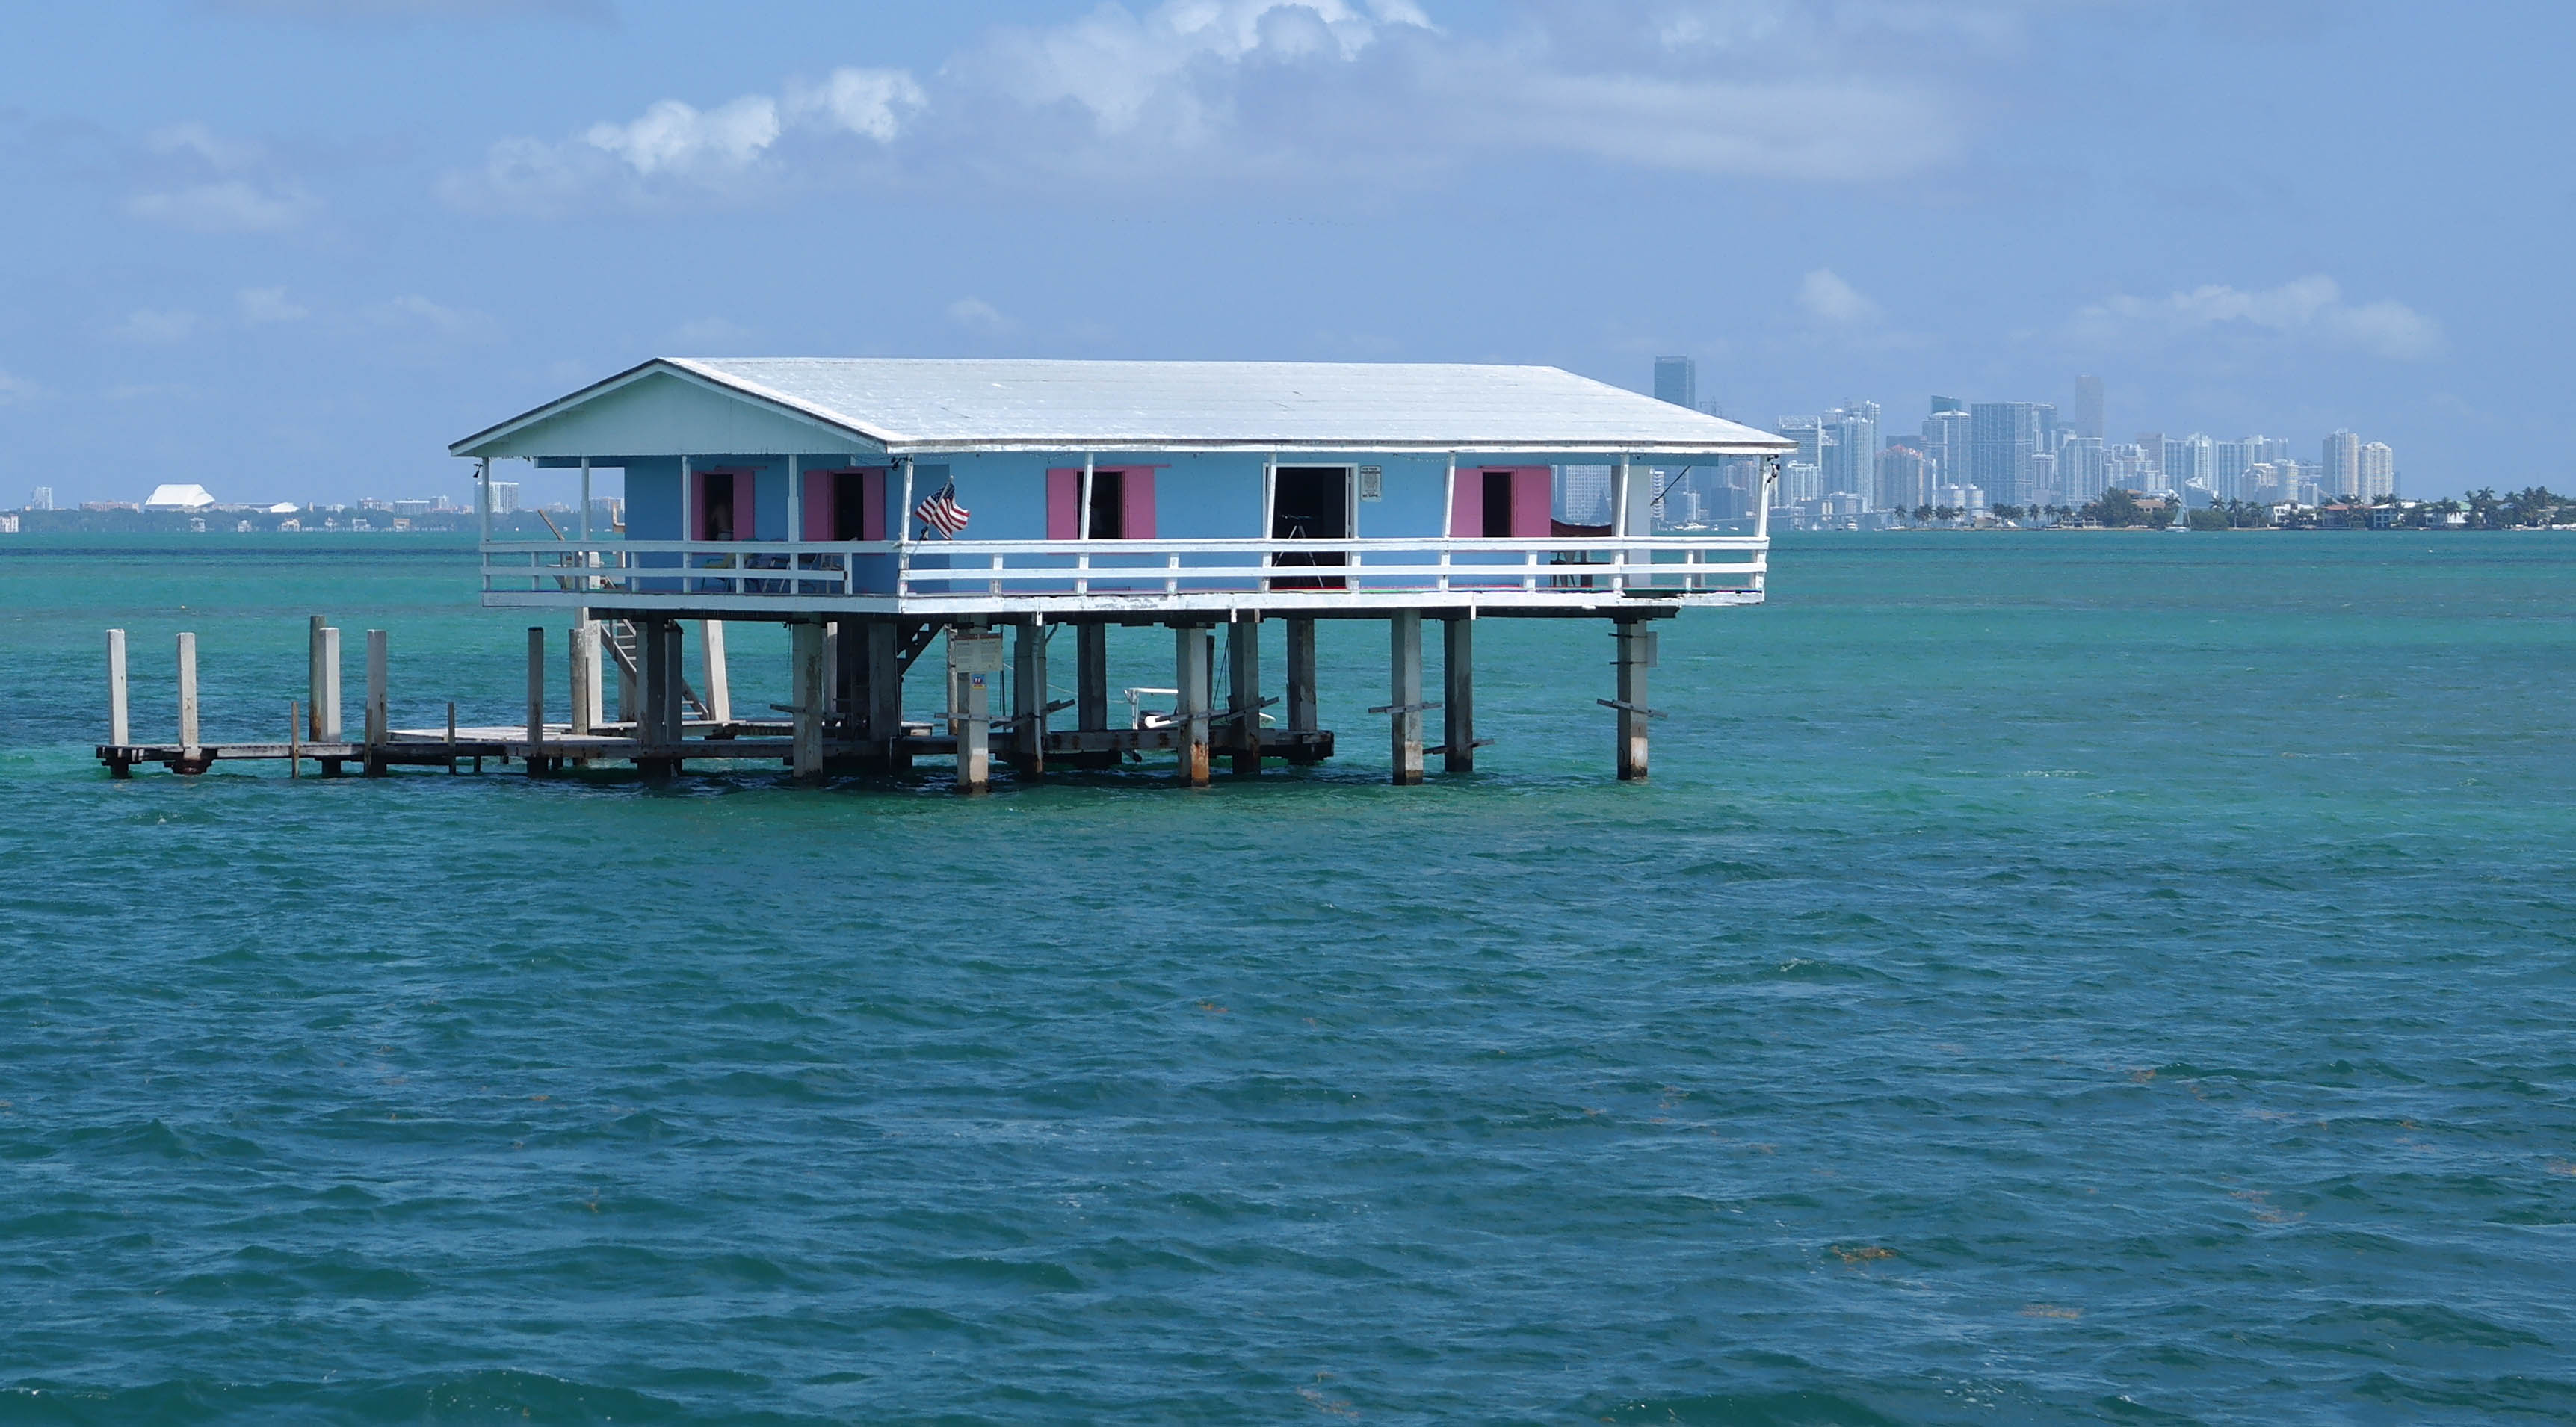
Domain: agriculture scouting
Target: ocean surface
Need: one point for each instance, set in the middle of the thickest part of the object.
(2048, 978)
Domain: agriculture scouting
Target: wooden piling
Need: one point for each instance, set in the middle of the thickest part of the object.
(1091, 685)
(120, 729)
(294, 739)
(808, 687)
(885, 693)
(1458, 695)
(659, 728)
(1243, 692)
(451, 741)
(1191, 708)
(188, 699)
(377, 722)
(1029, 699)
(536, 699)
(1300, 691)
(1404, 710)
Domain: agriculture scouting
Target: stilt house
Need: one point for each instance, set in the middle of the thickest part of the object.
(875, 504)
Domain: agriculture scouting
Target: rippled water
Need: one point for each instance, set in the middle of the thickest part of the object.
(2048, 978)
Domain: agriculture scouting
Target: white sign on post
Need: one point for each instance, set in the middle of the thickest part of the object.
(975, 652)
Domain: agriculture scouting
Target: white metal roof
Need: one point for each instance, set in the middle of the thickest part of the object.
(919, 405)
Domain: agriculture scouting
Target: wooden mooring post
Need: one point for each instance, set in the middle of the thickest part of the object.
(536, 759)
(974, 657)
(377, 723)
(1091, 689)
(322, 682)
(1029, 706)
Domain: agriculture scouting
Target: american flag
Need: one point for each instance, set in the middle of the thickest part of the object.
(942, 511)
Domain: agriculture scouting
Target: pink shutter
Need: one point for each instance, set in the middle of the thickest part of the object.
(818, 505)
(1140, 502)
(1064, 500)
(1467, 503)
(1533, 503)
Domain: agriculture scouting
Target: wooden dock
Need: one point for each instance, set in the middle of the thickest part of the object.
(815, 742)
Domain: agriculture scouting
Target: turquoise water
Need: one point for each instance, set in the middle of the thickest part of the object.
(2049, 978)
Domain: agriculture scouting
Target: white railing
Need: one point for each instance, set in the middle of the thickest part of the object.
(964, 571)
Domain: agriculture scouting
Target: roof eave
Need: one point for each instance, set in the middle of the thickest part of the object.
(687, 370)
(1234, 445)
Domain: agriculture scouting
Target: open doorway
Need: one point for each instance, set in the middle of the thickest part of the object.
(1310, 503)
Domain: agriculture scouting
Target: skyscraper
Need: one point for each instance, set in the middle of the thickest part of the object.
(2079, 470)
(1677, 381)
(1945, 440)
(2003, 436)
(2378, 471)
(1851, 460)
(1812, 438)
(2189, 462)
(42, 499)
(2151, 450)
(1904, 478)
(2343, 465)
(2088, 407)
(2230, 461)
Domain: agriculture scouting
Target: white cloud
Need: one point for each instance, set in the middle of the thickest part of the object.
(871, 103)
(2310, 308)
(976, 315)
(671, 137)
(16, 390)
(1828, 298)
(270, 304)
(241, 195)
(676, 150)
(1195, 91)
(158, 327)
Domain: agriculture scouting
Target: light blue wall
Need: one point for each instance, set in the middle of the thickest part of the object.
(1196, 496)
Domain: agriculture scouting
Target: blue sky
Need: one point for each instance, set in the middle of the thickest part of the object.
(290, 248)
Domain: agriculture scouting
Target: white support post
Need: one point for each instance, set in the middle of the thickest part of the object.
(483, 498)
(1190, 716)
(1449, 508)
(324, 722)
(376, 697)
(1763, 486)
(719, 680)
(120, 729)
(1636, 654)
(1082, 511)
(585, 514)
(583, 673)
(808, 678)
(795, 505)
(188, 697)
